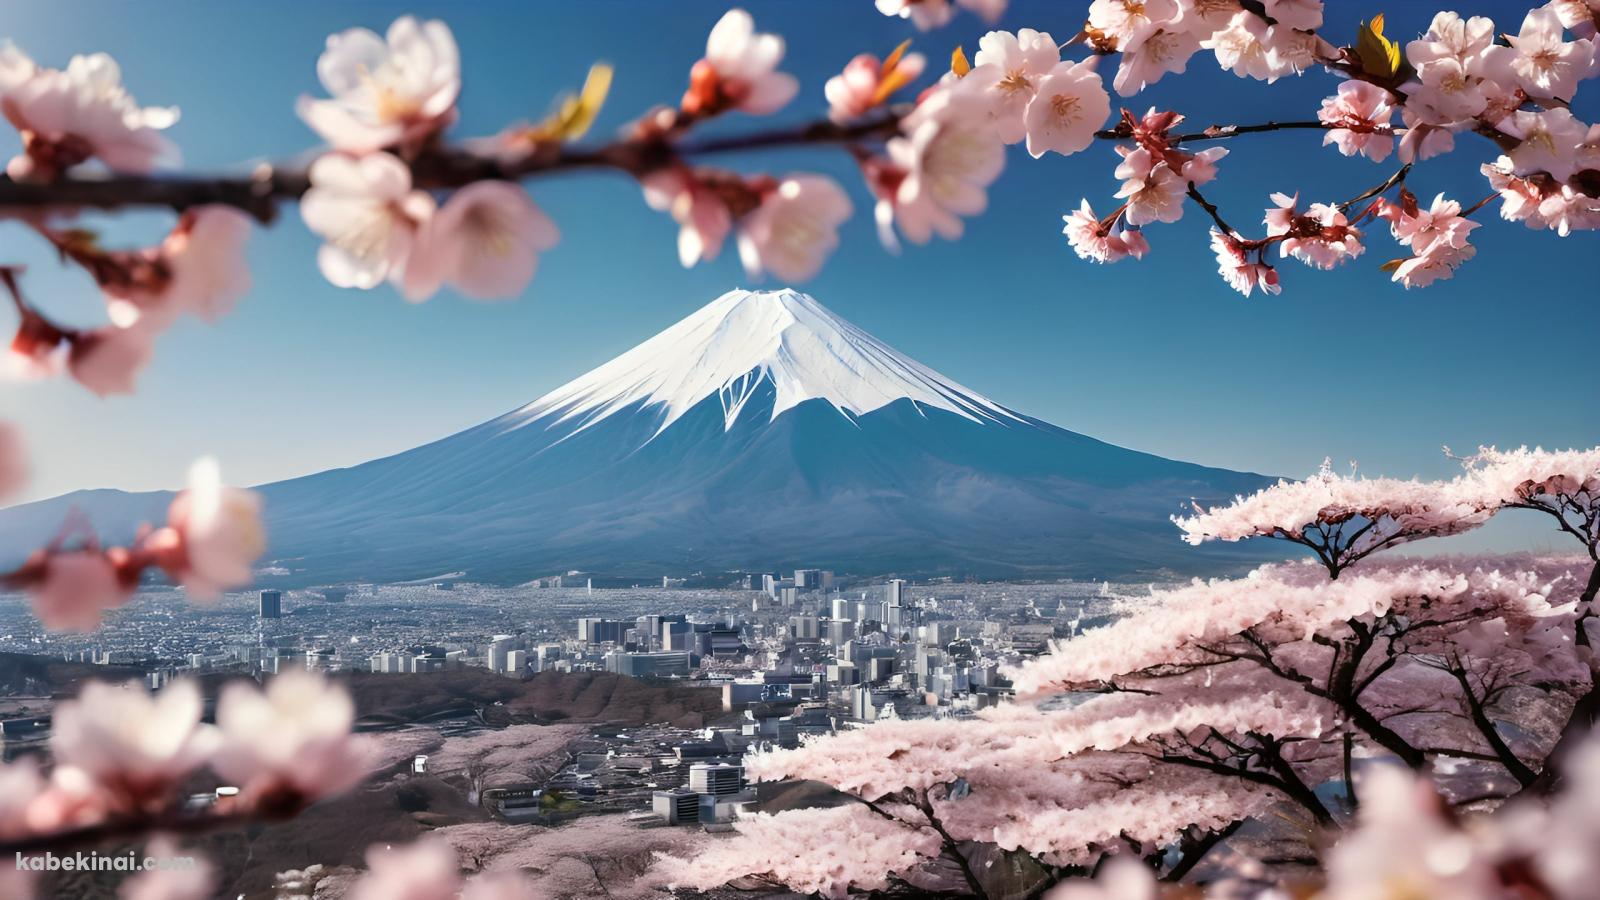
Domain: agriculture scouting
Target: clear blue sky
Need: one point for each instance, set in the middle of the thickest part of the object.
(1159, 356)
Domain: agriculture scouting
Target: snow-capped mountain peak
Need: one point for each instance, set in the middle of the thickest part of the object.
(734, 344)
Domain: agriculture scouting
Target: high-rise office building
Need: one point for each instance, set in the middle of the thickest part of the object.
(271, 604)
(499, 648)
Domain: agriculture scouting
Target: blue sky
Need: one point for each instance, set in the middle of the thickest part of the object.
(1158, 355)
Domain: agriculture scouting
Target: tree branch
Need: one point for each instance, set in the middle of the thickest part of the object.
(261, 192)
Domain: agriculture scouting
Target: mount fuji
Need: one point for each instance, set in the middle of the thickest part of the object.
(761, 432)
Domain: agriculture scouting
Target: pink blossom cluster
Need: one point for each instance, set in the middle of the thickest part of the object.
(1292, 603)
(1156, 177)
(1455, 78)
(198, 269)
(1343, 518)
(1408, 838)
(1158, 37)
(1437, 238)
(122, 754)
(784, 226)
(428, 869)
(390, 98)
(70, 116)
(211, 540)
(828, 852)
(1524, 477)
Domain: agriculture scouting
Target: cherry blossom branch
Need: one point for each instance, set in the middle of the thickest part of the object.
(260, 193)
(1503, 753)
(1210, 208)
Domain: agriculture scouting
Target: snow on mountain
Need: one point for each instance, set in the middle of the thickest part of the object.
(733, 344)
(763, 432)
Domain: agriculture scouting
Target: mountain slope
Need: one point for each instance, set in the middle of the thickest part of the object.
(761, 432)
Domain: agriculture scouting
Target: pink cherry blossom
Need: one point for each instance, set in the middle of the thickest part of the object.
(136, 748)
(1150, 53)
(202, 266)
(196, 882)
(830, 852)
(1532, 477)
(1567, 209)
(925, 14)
(930, 14)
(1446, 94)
(1437, 237)
(1420, 141)
(1251, 48)
(1302, 15)
(484, 241)
(1120, 879)
(945, 161)
(795, 228)
(368, 214)
(739, 71)
(1359, 116)
(73, 589)
(1579, 16)
(1520, 198)
(702, 214)
(424, 870)
(1202, 167)
(1549, 141)
(21, 784)
(1425, 269)
(1007, 70)
(385, 91)
(13, 460)
(867, 82)
(79, 113)
(1541, 60)
(1122, 19)
(1321, 237)
(108, 360)
(213, 534)
(1154, 193)
(289, 744)
(1406, 842)
(1449, 37)
(1305, 511)
(1095, 240)
(1069, 105)
(1235, 265)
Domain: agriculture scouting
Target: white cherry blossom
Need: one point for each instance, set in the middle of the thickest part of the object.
(135, 746)
(368, 214)
(795, 228)
(289, 744)
(82, 112)
(484, 241)
(1069, 106)
(739, 70)
(385, 91)
(947, 158)
(1542, 60)
(1008, 68)
(213, 535)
